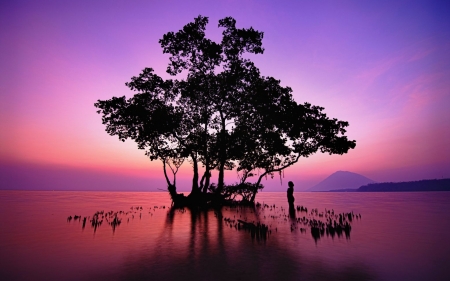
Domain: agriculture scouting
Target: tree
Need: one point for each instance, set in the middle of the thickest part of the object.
(223, 115)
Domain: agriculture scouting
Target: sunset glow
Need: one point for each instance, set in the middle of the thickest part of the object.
(383, 66)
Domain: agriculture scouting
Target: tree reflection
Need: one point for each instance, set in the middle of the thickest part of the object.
(198, 244)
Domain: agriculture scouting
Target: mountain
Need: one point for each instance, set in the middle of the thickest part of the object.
(341, 180)
(423, 185)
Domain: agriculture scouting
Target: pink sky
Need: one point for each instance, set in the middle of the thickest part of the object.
(382, 66)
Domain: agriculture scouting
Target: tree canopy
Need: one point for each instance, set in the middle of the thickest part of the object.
(223, 115)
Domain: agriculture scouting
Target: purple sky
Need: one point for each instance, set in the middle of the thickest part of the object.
(383, 66)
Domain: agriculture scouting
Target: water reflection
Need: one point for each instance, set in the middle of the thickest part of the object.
(403, 236)
(226, 244)
(202, 245)
(256, 220)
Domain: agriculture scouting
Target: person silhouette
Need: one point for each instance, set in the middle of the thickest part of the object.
(291, 199)
(290, 193)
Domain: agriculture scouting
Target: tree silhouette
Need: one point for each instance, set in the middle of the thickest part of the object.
(222, 115)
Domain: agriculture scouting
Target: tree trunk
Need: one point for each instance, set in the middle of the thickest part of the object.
(165, 173)
(195, 188)
(222, 156)
(256, 187)
(205, 178)
(220, 184)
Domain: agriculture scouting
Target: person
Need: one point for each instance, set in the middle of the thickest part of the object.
(290, 193)
(291, 199)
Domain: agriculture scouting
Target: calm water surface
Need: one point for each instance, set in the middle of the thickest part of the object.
(401, 236)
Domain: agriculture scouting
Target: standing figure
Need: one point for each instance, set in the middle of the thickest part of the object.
(291, 199)
(290, 193)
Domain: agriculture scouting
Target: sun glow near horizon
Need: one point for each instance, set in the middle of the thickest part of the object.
(382, 70)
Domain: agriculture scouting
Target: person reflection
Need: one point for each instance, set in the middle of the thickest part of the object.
(291, 199)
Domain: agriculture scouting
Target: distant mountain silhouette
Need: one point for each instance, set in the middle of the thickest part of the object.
(423, 185)
(341, 180)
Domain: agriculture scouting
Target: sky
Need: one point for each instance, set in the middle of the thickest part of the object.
(383, 66)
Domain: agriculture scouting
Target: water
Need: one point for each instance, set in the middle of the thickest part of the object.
(401, 236)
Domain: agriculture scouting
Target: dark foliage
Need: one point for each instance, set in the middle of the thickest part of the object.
(223, 115)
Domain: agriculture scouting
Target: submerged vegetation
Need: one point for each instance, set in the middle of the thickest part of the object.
(259, 220)
(221, 115)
